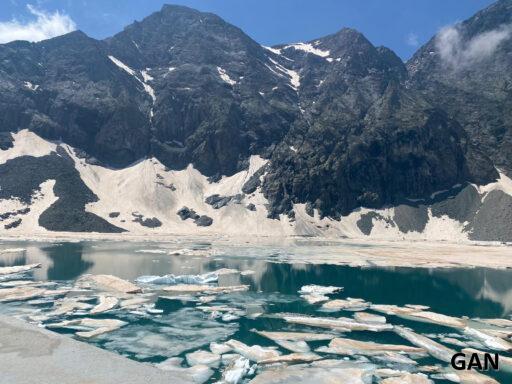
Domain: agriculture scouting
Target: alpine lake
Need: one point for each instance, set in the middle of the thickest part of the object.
(246, 307)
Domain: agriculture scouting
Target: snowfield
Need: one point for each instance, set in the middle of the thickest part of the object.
(148, 190)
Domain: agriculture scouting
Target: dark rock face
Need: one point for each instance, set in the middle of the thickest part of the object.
(250, 207)
(186, 213)
(22, 176)
(201, 221)
(254, 181)
(204, 221)
(351, 126)
(13, 224)
(472, 85)
(150, 222)
(217, 201)
(365, 223)
(492, 222)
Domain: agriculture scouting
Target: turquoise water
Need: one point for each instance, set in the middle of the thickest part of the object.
(182, 328)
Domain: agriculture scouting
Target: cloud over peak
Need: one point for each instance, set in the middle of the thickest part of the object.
(458, 53)
(44, 25)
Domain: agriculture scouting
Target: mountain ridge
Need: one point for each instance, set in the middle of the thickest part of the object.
(342, 124)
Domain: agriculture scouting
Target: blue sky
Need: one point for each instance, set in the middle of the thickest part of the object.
(401, 25)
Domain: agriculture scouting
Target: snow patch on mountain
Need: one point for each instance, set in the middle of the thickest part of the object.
(148, 190)
(122, 65)
(40, 202)
(147, 88)
(27, 143)
(273, 50)
(309, 48)
(293, 76)
(504, 184)
(225, 77)
(29, 85)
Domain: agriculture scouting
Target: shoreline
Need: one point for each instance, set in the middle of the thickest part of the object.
(31, 354)
(352, 252)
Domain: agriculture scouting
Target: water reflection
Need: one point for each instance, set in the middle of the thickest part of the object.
(472, 292)
(67, 262)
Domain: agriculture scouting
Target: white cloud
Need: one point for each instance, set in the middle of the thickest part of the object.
(45, 25)
(412, 40)
(459, 53)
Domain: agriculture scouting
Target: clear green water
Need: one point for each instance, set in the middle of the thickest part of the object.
(181, 328)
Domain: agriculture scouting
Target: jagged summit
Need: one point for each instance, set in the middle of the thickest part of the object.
(341, 125)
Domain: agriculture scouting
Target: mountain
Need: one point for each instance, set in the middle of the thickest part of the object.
(182, 123)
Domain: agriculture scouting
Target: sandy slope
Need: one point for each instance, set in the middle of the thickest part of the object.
(147, 188)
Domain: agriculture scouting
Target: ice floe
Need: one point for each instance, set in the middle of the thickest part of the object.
(411, 313)
(324, 372)
(342, 324)
(18, 269)
(408, 378)
(435, 349)
(106, 303)
(347, 305)
(492, 342)
(315, 294)
(180, 279)
(196, 288)
(350, 347)
(297, 357)
(108, 282)
(236, 371)
(254, 353)
(366, 317)
(197, 374)
(203, 358)
(296, 336)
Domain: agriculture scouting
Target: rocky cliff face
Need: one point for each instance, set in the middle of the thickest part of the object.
(343, 124)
